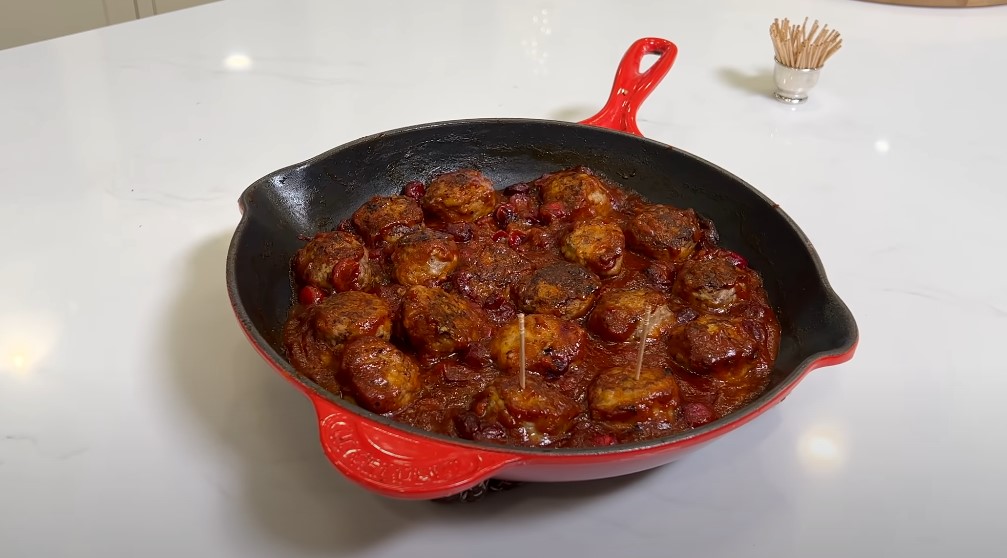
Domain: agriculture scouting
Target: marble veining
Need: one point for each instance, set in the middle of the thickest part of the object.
(136, 418)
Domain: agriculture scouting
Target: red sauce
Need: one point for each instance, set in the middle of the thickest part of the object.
(718, 343)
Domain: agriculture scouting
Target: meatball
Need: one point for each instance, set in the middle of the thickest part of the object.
(664, 232)
(715, 346)
(459, 197)
(551, 344)
(334, 260)
(346, 316)
(386, 218)
(561, 289)
(315, 336)
(576, 192)
(486, 278)
(617, 396)
(379, 376)
(597, 245)
(424, 257)
(761, 323)
(537, 415)
(717, 284)
(619, 314)
(440, 322)
(310, 355)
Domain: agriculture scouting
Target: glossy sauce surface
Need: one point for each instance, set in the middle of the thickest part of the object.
(709, 351)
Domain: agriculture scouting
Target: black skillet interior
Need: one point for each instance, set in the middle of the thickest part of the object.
(317, 194)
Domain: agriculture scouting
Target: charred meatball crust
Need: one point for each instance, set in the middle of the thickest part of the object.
(460, 197)
(561, 289)
(715, 346)
(386, 218)
(379, 376)
(551, 344)
(717, 284)
(578, 192)
(487, 278)
(664, 232)
(618, 396)
(535, 415)
(597, 245)
(316, 335)
(335, 260)
(440, 322)
(619, 314)
(424, 257)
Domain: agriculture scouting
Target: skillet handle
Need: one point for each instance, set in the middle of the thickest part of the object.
(631, 87)
(393, 463)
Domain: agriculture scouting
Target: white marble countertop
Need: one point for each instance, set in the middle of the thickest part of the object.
(135, 420)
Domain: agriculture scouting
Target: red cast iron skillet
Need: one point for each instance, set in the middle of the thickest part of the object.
(400, 461)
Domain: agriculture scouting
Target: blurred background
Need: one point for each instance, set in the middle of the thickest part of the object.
(28, 21)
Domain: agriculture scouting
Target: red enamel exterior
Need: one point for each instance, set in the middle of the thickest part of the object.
(395, 463)
(398, 463)
(632, 87)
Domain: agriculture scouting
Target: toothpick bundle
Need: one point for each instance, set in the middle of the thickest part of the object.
(802, 48)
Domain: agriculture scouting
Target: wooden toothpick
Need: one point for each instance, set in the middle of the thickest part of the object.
(644, 332)
(798, 46)
(520, 321)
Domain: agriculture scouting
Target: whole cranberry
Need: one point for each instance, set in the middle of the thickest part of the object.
(414, 189)
(696, 413)
(518, 188)
(516, 238)
(552, 212)
(310, 295)
(504, 214)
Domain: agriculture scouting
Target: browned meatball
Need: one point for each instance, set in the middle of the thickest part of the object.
(380, 377)
(577, 192)
(717, 284)
(562, 289)
(386, 218)
(617, 396)
(597, 245)
(460, 197)
(537, 415)
(315, 336)
(715, 346)
(760, 322)
(664, 232)
(619, 314)
(424, 257)
(551, 344)
(309, 354)
(345, 316)
(440, 322)
(487, 277)
(334, 260)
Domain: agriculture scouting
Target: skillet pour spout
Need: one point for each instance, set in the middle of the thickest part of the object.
(396, 460)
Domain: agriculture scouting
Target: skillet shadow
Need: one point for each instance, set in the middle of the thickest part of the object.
(264, 433)
(760, 83)
(573, 113)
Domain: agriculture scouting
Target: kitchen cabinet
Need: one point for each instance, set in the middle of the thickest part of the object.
(28, 21)
(146, 8)
(944, 3)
